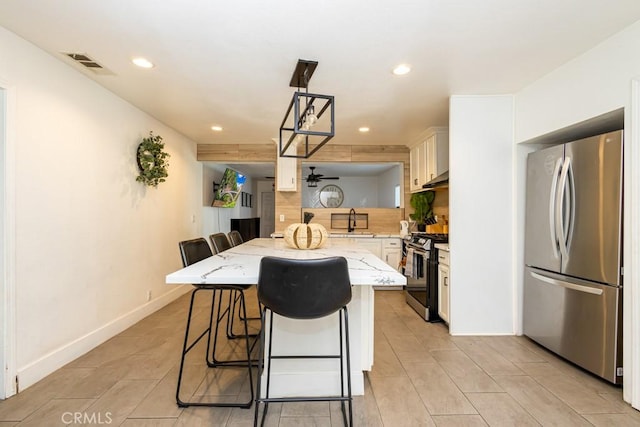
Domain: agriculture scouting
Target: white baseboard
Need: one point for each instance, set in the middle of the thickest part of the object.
(35, 371)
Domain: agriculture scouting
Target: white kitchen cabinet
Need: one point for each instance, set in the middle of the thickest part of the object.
(392, 252)
(372, 245)
(429, 157)
(287, 170)
(389, 250)
(443, 285)
(437, 153)
(417, 166)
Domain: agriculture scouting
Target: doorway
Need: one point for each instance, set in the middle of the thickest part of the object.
(267, 213)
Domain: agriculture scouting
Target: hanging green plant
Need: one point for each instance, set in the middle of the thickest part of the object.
(152, 161)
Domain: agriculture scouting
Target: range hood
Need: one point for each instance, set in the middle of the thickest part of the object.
(440, 181)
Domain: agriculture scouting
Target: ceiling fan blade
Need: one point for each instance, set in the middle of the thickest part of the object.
(317, 177)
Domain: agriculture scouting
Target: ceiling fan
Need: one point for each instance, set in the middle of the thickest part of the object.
(314, 178)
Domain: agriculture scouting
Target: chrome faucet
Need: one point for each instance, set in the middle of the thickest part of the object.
(351, 226)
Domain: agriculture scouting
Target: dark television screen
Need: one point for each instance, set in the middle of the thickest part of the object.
(229, 189)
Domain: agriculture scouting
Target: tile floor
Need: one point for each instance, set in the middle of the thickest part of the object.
(422, 376)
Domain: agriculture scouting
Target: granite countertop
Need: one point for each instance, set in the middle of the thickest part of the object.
(240, 264)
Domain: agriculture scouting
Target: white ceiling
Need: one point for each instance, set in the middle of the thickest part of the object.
(229, 63)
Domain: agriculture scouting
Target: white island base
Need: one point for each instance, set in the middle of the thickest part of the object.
(321, 377)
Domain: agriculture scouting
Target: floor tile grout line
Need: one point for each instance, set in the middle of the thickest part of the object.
(367, 379)
(523, 408)
(413, 384)
(556, 396)
(567, 403)
(407, 374)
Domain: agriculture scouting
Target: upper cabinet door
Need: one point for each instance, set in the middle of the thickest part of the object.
(437, 154)
(287, 172)
(417, 165)
(429, 157)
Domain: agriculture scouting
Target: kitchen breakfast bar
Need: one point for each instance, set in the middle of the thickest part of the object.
(240, 265)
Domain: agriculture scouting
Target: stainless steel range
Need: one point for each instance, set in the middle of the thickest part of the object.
(421, 269)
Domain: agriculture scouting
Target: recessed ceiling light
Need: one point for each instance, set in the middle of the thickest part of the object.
(363, 129)
(142, 62)
(401, 70)
(216, 128)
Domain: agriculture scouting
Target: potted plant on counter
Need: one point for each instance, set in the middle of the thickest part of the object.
(422, 210)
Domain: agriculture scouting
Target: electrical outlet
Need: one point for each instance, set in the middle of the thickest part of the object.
(148, 296)
(282, 218)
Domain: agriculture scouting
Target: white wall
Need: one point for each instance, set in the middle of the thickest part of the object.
(592, 84)
(3, 279)
(359, 192)
(90, 240)
(597, 82)
(387, 182)
(481, 158)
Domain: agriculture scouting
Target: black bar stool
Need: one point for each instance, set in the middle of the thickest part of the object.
(193, 251)
(235, 238)
(305, 289)
(221, 243)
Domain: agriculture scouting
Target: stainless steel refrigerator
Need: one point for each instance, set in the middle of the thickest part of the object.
(573, 252)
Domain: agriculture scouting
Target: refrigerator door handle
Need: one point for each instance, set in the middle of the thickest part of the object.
(552, 209)
(568, 285)
(560, 220)
(571, 215)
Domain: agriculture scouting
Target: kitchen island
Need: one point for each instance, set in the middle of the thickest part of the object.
(240, 265)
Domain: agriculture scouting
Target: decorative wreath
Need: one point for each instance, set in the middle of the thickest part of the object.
(152, 161)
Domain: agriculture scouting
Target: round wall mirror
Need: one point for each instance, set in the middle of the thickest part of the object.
(331, 196)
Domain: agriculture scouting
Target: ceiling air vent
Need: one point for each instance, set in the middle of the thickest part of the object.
(87, 62)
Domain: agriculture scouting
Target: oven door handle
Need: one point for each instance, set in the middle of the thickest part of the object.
(419, 250)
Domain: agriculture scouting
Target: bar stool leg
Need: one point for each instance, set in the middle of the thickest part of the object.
(345, 316)
(266, 363)
(262, 362)
(186, 348)
(260, 368)
(219, 316)
(233, 299)
(222, 314)
(248, 347)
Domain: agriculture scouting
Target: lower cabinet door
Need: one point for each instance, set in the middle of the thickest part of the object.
(443, 292)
